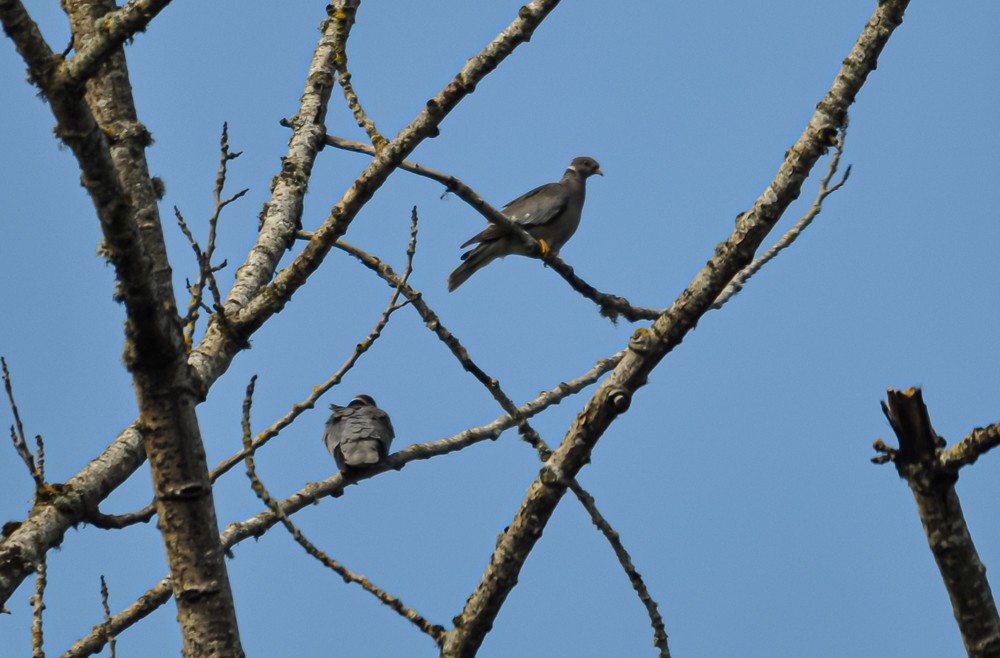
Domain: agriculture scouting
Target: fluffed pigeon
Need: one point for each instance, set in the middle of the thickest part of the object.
(358, 435)
(550, 213)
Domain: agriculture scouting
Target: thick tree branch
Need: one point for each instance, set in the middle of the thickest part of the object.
(648, 346)
(102, 130)
(156, 354)
(920, 461)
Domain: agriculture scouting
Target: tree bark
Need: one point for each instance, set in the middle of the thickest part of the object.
(932, 480)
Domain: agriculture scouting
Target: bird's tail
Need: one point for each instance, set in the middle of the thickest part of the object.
(472, 262)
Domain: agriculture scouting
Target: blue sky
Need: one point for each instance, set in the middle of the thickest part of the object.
(739, 480)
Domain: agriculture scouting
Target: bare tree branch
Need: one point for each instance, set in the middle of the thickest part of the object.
(344, 19)
(37, 608)
(47, 524)
(206, 271)
(932, 481)
(17, 433)
(972, 447)
(648, 346)
(659, 630)
(166, 388)
(107, 617)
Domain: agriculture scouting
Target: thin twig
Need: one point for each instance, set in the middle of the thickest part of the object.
(206, 271)
(107, 617)
(825, 190)
(612, 306)
(17, 431)
(436, 632)
(659, 630)
(40, 462)
(37, 608)
(344, 20)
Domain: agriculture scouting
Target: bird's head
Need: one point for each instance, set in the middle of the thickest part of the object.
(586, 167)
(362, 400)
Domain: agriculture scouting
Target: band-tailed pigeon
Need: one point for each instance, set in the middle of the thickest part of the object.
(550, 213)
(358, 435)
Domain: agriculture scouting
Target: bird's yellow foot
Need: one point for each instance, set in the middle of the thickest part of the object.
(545, 247)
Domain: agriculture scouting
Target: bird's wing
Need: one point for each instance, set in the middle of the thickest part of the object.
(336, 428)
(539, 206)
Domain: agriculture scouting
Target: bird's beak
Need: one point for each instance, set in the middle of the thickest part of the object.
(599, 172)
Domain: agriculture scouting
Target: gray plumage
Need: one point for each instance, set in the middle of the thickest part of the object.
(550, 213)
(358, 435)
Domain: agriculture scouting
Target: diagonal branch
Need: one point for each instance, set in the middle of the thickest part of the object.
(659, 630)
(649, 346)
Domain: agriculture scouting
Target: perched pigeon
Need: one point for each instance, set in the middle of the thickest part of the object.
(359, 434)
(550, 213)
